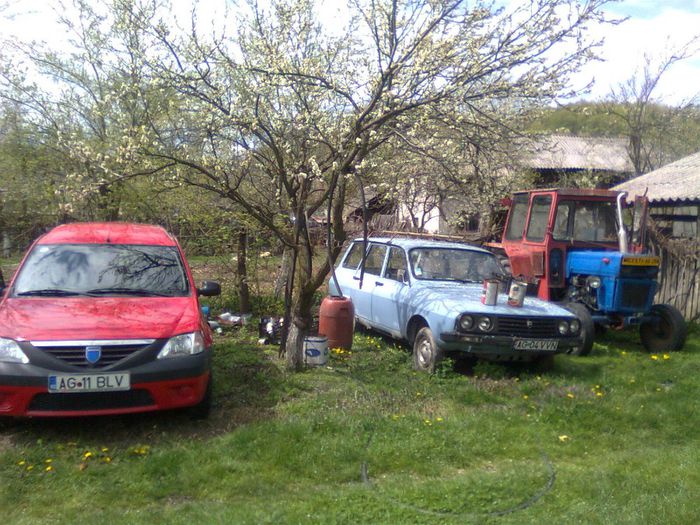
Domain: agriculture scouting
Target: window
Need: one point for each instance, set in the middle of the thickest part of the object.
(447, 264)
(589, 221)
(396, 265)
(539, 217)
(354, 256)
(105, 269)
(375, 259)
(518, 213)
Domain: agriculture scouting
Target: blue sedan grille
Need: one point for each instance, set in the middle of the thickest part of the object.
(520, 326)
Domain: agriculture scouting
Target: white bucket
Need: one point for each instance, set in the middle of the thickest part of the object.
(315, 350)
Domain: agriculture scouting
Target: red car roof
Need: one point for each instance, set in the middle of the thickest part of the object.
(108, 233)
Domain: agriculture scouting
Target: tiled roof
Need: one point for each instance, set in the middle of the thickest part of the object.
(587, 153)
(678, 181)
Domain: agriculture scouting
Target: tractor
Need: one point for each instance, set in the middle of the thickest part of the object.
(586, 250)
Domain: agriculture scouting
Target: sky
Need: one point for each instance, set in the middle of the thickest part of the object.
(653, 28)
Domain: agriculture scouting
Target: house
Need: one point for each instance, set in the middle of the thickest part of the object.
(565, 160)
(544, 161)
(674, 196)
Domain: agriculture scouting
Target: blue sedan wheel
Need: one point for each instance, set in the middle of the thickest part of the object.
(426, 353)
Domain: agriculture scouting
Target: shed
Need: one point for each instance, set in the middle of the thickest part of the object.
(674, 195)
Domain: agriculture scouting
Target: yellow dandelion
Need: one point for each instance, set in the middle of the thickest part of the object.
(655, 357)
(30, 467)
(570, 395)
(21, 462)
(563, 438)
(104, 449)
(599, 394)
(525, 396)
(107, 459)
(623, 353)
(439, 419)
(48, 460)
(666, 357)
(49, 468)
(87, 455)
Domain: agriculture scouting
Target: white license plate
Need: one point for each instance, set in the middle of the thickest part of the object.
(89, 383)
(547, 345)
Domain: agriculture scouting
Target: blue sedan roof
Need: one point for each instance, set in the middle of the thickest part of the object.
(408, 243)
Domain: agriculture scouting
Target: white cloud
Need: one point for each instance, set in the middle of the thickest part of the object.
(655, 36)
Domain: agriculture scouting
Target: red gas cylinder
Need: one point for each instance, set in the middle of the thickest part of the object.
(336, 321)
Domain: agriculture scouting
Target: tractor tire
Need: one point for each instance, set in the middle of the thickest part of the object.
(667, 332)
(587, 328)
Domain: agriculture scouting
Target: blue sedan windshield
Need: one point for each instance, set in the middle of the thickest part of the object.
(446, 264)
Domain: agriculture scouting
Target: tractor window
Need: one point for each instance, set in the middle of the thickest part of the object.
(585, 221)
(539, 217)
(516, 222)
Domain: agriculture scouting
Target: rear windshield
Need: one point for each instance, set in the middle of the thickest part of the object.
(102, 269)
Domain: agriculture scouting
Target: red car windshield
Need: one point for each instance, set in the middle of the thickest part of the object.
(102, 269)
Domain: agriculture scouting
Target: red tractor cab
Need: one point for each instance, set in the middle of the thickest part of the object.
(585, 248)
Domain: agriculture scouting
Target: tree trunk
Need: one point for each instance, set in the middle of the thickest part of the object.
(283, 272)
(242, 273)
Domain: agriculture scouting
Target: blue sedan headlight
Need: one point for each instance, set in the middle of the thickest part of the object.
(466, 322)
(485, 324)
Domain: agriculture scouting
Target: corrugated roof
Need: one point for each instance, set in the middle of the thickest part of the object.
(678, 181)
(573, 152)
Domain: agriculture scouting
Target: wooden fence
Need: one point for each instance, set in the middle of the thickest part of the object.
(679, 275)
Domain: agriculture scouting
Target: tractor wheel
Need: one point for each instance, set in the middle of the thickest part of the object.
(426, 353)
(666, 330)
(587, 327)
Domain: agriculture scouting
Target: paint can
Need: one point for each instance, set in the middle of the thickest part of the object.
(315, 350)
(489, 294)
(516, 295)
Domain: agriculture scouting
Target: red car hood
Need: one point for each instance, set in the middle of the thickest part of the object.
(80, 318)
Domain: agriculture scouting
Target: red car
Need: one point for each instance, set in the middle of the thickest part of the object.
(104, 318)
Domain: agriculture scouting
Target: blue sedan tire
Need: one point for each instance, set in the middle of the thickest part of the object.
(426, 353)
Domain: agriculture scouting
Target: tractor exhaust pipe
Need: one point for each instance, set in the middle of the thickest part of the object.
(621, 233)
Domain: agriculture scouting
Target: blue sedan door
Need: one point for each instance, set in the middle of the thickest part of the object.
(390, 294)
(362, 290)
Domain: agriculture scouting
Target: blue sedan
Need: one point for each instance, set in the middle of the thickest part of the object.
(429, 294)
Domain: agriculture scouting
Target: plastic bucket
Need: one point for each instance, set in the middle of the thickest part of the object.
(315, 350)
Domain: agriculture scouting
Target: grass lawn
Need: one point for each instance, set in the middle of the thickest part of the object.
(609, 438)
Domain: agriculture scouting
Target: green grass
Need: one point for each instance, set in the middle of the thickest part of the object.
(609, 438)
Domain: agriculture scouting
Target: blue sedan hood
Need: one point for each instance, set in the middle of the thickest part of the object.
(448, 297)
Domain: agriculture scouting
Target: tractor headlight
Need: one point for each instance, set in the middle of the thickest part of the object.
(485, 324)
(466, 322)
(182, 345)
(574, 326)
(593, 282)
(563, 327)
(10, 352)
